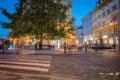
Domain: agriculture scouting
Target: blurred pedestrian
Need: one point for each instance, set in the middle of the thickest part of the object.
(96, 46)
(89, 47)
(86, 47)
(37, 46)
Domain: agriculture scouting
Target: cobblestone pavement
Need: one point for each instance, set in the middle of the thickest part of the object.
(61, 67)
(87, 67)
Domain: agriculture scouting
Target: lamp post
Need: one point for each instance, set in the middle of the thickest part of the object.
(114, 34)
(65, 47)
(85, 47)
(96, 46)
(73, 43)
(119, 29)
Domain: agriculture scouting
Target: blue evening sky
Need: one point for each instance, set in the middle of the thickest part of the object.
(79, 9)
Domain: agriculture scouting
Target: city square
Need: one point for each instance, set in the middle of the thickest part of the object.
(59, 40)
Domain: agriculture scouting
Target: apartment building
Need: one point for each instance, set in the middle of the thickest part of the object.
(105, 22)
(78, 36)
(87, 28)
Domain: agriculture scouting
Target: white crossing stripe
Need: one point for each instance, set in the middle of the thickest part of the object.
(30, 60)
(41, 57)
(27, 64)
(25, 68)
(44, 57)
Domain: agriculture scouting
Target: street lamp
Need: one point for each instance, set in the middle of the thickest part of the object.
(77, 41)
(65, 47)
(118, 29)
(72, 40)
(114, 34)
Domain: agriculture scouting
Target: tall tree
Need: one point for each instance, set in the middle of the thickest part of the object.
(41, 18)
(16, 20)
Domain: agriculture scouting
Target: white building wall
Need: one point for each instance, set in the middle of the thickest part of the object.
(103, 17)
(68, 13)
(78, 35)
(87, 28)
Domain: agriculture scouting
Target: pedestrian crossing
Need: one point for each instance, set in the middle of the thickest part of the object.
(39, 63)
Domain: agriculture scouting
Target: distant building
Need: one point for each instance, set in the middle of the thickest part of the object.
(87, 28)
(68, 13)
(105, 22)
(78, 35)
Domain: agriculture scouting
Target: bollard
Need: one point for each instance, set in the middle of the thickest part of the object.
(85, 47)
(65, 47)
(96, 47)
(3, 46)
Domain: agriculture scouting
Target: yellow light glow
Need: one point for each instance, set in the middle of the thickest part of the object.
(27, 37)
(111, 23)
(72, 37)
(15, 40)
(77, 41)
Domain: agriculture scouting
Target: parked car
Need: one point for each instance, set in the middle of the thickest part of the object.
(105, 46)
(10, 46)
(43, 46)
(46, 47)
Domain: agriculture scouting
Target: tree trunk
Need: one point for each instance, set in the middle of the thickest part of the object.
(41, 38)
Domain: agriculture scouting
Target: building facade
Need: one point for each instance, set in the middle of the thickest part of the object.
(78, 36)
(105, 22)
(68, 13)
(87, 28)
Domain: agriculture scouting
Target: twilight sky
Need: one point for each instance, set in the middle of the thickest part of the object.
(80, 8)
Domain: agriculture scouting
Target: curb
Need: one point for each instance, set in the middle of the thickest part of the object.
(58, 54)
